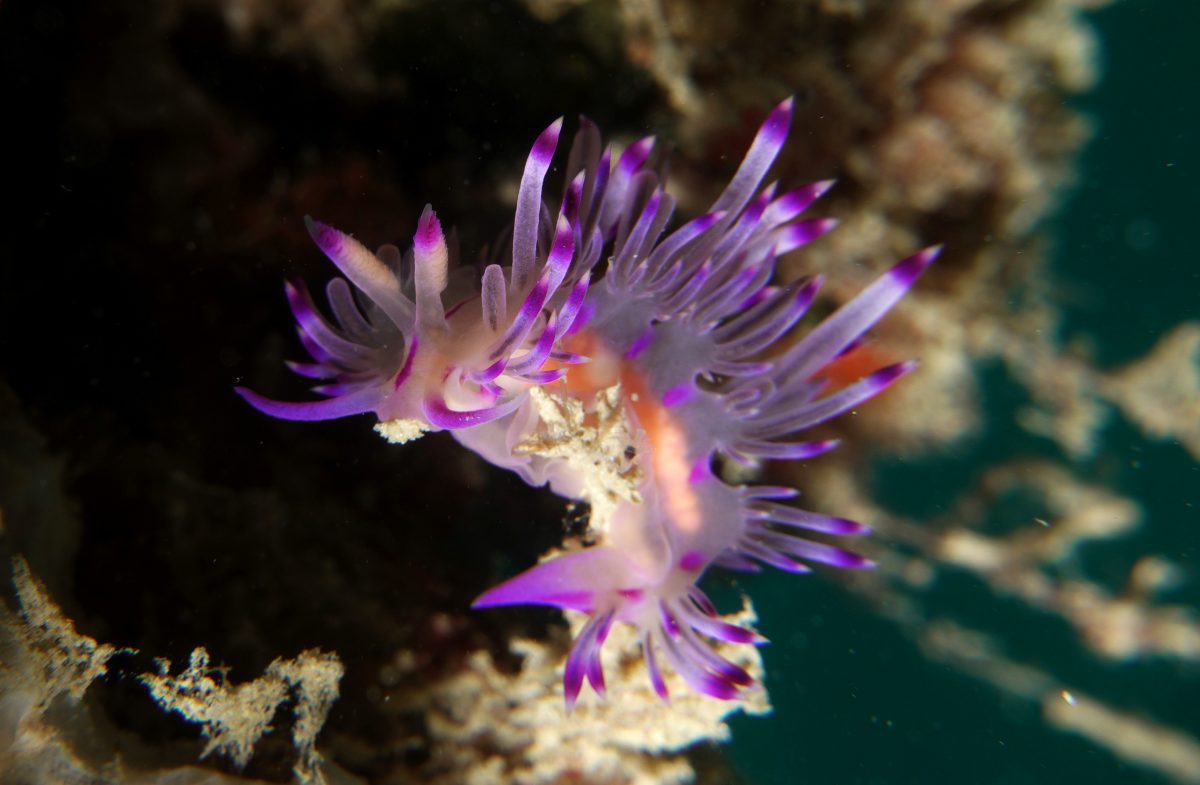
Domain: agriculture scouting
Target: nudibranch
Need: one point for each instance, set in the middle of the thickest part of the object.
(618, 362)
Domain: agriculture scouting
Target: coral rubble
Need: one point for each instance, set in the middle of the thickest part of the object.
(488, 726)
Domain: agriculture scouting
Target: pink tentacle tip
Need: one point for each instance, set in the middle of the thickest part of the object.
(429, 232)
(325, 236)
(635, 155)
(820, 188)
(775, 129)
(564, 241)
(909, 270)
(547, 142)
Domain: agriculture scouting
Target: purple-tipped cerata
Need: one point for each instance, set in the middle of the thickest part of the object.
(605, 315)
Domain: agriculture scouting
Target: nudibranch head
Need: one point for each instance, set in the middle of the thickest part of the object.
(621, 384)
(401, 349)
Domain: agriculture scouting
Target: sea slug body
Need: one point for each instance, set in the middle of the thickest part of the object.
(621, 384)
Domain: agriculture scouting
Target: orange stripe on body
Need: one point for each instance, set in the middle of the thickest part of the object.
(668, 440)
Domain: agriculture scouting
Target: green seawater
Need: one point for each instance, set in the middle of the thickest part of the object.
(856, 700)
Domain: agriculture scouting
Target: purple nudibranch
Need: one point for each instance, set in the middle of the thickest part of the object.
(603, 317)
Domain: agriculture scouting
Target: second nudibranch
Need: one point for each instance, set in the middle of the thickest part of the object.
(621, 385)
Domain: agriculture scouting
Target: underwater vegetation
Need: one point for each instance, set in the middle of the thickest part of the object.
(602, 319)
